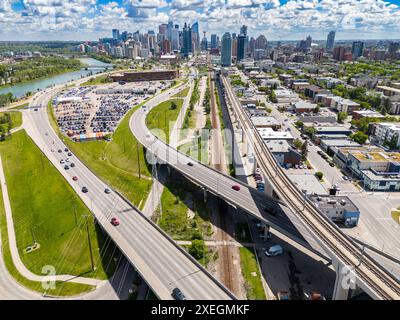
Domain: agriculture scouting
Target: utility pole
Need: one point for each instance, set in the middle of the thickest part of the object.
(90, 243)
(138, 160)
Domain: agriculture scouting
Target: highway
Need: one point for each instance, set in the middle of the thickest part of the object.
(247, 198)
(161, 262)
(334, 241)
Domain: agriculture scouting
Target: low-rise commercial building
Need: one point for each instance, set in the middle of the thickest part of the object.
(304, 106)
(358, 114)
(146, 75)
(283, 152)
(265, 122)
(286, 96)
(269, 134)
(379, 171)
(339, 209)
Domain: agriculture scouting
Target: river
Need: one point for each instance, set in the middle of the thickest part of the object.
(20, 89)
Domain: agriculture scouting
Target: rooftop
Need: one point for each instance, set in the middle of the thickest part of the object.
(329, 202)
(374, 156)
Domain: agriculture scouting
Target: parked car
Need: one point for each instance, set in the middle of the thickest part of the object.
(190, 164)
(177, 294)
(106, 190)
(72, 165)
(59, 150)
(274, 251)
(66, 167)
(345, 178)
(85, 190)
(114, 221)
(69, 154)
(66, 150)
(62, 161)
(75, 178)
(236, 187)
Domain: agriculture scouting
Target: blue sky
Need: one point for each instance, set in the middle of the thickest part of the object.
(276, 19)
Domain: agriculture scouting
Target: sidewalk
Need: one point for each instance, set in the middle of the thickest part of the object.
(14, 249)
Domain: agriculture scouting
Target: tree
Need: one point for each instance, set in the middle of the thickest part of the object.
(310, 131)
(304, 150)
(359, 137)
(268, 110)
(341, 117)
(317, 109)
(319, 175)
(272, 97)
(392, 143)
(299, 124)
(297, 143)
(197, 249)
(173, 105)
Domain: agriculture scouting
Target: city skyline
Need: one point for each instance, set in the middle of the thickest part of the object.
(277, 20)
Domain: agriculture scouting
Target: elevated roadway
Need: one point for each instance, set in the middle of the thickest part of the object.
(158, 259)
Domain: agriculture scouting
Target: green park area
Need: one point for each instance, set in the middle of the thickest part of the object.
(161, 118)
(182, 94)
(10, 120)
(184, 214)
(47, 211)
(251, 274)
(97, 80)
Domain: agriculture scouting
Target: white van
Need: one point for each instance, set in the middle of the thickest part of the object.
(274, 250)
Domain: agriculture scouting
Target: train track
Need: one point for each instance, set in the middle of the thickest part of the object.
(367, 270)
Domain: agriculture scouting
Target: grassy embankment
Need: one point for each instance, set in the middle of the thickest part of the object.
(16, 118)
(46, 210)
(251, 274)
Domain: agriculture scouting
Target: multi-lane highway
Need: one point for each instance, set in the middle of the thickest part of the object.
(155, 256)
(379, 282)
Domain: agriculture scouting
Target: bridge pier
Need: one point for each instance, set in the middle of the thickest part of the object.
(205, 195)
(345, 281)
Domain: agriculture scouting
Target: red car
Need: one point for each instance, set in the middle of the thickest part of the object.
(74, 178)
(114, 222)
(236, 187)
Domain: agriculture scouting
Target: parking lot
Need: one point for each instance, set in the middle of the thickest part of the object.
(95, 111)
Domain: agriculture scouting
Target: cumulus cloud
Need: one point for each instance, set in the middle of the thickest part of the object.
(262, 16)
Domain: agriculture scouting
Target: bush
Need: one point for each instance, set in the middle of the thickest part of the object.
(197, 249)
(319, 175)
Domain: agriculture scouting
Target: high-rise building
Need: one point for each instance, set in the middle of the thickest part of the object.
(162, 29)
(234, 45)
(175, 39)
(243, 30)
(308, 42)
(226, 50)
(214, 41)
(204, 42)
(115, 34)
(341, 54)
(196, 36)
(261, 42)
(170, 26)
(330, 41)
(187, 40)
(357, 49)
(241, 47)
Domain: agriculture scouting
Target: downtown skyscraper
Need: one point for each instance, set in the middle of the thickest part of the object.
(330, 41)
(226, 50)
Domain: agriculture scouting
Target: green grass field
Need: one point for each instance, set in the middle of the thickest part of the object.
(178, 196)
(162, 117)
(62, 288)
(16, 118)
(46, 210)
(251, 274)
(182, 94)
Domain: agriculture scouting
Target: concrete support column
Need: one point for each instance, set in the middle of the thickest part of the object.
(268, 188)
(205, 195)
(345, 280)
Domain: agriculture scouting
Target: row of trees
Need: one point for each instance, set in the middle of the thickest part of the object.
(37, 68)
(5, 125)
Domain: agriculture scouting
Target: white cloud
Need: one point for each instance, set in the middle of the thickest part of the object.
(293, 19)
